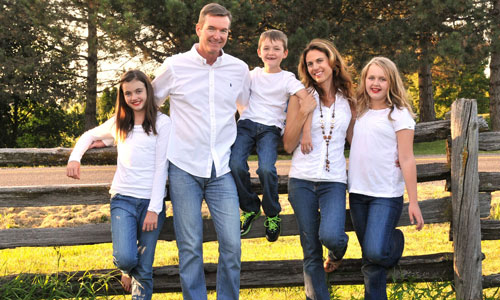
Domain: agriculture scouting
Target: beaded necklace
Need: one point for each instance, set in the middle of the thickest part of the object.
(328, 137)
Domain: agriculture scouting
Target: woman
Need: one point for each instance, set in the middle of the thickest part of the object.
(317, 184)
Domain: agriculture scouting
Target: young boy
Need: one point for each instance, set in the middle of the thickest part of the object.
(261, 125)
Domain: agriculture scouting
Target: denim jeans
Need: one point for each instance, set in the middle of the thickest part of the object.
(374, 220)
(319, 209)
(266, 139)
(187, 192)
(134, 249)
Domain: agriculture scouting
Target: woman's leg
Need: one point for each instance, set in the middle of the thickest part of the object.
(302, 194)
(332, 209)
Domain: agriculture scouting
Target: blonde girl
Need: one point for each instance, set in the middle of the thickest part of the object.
(383, 134)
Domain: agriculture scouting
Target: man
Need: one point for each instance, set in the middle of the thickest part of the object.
(204, 85)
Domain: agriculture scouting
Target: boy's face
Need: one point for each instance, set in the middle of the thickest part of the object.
(272, 53)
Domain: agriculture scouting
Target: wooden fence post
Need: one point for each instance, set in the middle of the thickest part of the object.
(465, 200)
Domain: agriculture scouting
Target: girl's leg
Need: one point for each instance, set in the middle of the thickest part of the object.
(142, 274)
(302, 194)
(374, 220)
(124, 233)
(332, 209)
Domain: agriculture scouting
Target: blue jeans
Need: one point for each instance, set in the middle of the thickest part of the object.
(266, 139)
(374, 220)
(187, 193)
(134, 249)
(319, 209)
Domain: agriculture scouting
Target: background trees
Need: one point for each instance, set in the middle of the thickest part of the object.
(51, 51)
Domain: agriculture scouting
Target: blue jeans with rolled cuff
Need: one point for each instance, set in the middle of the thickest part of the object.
(134, 249)
(320, 210)
(375, 220)
(266, 139)
(187, 193)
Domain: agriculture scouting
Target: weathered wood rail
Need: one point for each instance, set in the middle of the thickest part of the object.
(474, 192)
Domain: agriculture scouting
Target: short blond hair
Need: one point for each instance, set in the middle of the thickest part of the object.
(274, 35)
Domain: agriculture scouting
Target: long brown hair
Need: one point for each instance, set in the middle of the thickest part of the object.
(125, 115)
(396, 94)
(341, 78)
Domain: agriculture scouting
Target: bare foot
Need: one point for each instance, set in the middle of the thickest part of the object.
(126, 282)
(331, 265)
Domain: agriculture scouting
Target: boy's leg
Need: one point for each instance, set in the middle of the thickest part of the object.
(222, 200)
(267, 150)
(267, 144)
(245, 141)
(142, 275)
(186, 192)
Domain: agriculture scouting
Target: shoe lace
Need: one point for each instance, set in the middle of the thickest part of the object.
(272, 222)
(246, 215)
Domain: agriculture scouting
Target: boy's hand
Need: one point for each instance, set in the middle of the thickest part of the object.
(306, 142)
(73, 169)
(307, 104)
(150, 221)
(415, 215)
(97, 144)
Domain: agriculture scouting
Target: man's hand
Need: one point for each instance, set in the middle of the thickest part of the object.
(150, 221)
(73, 169)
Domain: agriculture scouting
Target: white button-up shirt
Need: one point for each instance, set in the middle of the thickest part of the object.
(202, 109)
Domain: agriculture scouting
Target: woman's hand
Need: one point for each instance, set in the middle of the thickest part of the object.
(73, 169)
(150, 221)
(415, 215)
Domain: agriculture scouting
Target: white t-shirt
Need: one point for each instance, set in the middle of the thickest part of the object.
(374, 150)
(269, 93)
(141, 167)
(312, 166)
(202, 107)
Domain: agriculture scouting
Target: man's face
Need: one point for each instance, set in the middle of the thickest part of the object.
(213, 35)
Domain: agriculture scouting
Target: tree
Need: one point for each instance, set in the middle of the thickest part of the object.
(495, 66)
(33, 72)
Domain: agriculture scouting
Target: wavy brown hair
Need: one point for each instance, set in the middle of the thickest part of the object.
(396, 95)
(341, 78)
(125, 115)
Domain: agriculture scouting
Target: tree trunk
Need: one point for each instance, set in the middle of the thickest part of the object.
(426, 99)
(495, 69)
(90, 106)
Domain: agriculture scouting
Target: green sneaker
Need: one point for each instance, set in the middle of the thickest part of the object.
(273, 228)
(246, 220)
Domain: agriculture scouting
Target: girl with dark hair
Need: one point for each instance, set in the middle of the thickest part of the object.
(141, 133)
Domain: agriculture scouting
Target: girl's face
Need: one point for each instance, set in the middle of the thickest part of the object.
(135, 94)
(318, 66)
(377, 85)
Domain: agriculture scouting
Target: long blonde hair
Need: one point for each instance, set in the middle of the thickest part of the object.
(396, 95)
(341, 78)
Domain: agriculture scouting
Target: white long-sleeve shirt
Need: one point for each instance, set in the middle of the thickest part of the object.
(141, 167)
(203, 101)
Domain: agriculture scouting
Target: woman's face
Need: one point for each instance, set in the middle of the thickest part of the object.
(318, 67)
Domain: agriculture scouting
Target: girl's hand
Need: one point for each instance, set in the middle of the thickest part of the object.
(150, 221)
(73, 169)
(306, 142)
(415, 215)
(97, 144)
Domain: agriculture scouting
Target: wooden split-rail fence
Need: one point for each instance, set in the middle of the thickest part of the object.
(466, 210)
